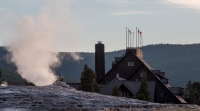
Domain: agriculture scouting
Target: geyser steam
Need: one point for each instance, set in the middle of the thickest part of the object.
(32, 50)
(33, 46)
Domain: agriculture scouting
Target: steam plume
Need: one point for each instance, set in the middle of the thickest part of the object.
(33, 48)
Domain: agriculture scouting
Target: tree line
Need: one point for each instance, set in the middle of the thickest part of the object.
(192, 93)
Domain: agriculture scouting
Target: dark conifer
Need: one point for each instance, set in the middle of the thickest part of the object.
(88, 82)
(116, 91)
(192, 97)
(188, 89)
(0, 77)
(143, 92)
(192, 92)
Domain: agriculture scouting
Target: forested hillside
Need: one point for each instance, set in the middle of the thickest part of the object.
(180, 62)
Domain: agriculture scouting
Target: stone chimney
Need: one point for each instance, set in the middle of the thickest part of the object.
(99, 61)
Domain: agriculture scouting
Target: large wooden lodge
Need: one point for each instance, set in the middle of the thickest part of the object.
(126, 73)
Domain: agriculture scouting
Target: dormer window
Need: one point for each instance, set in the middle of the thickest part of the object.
(130, 63)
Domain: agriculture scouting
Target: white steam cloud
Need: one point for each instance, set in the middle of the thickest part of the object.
(34, 44)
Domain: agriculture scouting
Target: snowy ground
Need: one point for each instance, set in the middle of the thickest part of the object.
(61, 97)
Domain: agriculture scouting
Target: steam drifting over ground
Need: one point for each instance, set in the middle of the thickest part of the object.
(33, 47)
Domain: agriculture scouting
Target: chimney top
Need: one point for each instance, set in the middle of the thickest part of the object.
(99, 42)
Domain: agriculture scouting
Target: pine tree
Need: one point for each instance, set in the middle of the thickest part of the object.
(88, 82)
(192, 97)
(0, 77)
(143, 92)
(192, 92)
(141, 96)
(116, 91)
(196, 88)
(188, 89)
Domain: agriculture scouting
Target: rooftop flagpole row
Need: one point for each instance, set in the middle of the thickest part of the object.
(130, 39)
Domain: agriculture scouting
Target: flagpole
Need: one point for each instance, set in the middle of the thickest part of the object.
(142, 43)
(130, 38)
(133, 40)
(136, 37)
(140, 39)
(126, 37)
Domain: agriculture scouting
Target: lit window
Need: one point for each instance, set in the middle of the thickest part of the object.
(132, 63)
(129, 63)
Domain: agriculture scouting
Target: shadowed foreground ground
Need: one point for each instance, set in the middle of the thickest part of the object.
(61, 97)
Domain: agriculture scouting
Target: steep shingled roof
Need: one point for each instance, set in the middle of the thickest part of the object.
(134, 86)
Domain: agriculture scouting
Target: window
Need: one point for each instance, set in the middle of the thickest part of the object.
(130, 63)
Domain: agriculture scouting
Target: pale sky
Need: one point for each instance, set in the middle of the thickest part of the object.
(84, 22)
